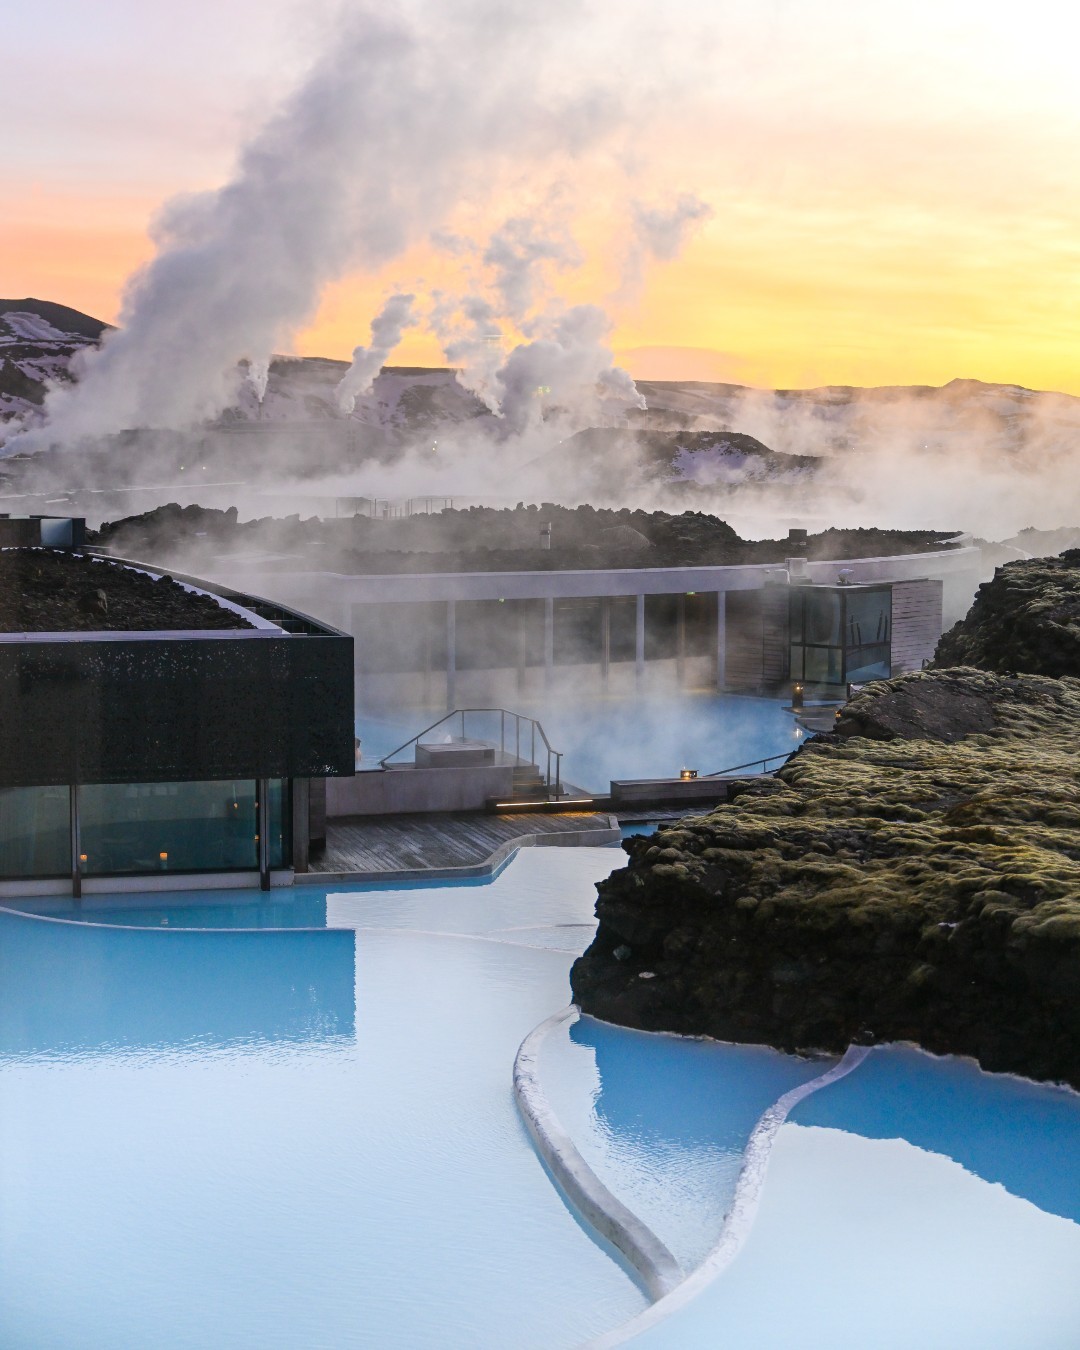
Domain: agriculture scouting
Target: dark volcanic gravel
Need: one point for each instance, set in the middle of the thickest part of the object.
(51, 591)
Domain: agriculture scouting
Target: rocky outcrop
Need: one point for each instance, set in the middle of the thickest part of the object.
(481, 538)
(1026, 619)
(914, 875)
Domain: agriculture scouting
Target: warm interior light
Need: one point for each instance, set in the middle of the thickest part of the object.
(688, 773)
(82, 857)
(164, 857)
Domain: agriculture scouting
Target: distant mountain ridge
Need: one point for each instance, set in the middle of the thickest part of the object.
(692, 431)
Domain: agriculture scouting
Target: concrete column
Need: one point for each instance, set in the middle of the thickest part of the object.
(680, 639)
(605, 638)
(549, 641)
(639, 640)
(520, 613)
(451, 655)
(721, 641)
(426, 687)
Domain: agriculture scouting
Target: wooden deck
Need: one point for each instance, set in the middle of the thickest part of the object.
(472, 844)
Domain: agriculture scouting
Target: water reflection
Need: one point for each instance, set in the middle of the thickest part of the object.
(75, 987)
(664, 1120)
(1026, 1136)
(650, 736)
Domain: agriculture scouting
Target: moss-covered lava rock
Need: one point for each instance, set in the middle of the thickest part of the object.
(918, 883)
(1026, 619)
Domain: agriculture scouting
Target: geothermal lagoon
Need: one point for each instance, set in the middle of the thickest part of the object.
(300, 1129)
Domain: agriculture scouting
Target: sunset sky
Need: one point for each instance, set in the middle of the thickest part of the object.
(894, 189)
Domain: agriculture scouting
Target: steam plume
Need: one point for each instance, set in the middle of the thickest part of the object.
(409, 113)
(386, 332)
(572, 369)
(664, 233)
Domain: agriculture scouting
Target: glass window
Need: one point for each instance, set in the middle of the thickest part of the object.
(35, 832)
(578, 638)
(701, 624)
(280, 823)
(823, 665)
(867, 617)
(868, 663)
(167, 827)
(822, 617)
(661, 627)
(623, 627)
(393, 638)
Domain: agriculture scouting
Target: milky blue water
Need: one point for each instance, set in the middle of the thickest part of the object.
(664, 1120)
(292, 1139)
(604, 739)
(917, 1202)
(287, 1121)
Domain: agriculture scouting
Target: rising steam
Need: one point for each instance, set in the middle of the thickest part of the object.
(387, 330)
(412, 111)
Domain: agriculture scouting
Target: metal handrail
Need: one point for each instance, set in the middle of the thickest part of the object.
(750, 764)
(504, 713)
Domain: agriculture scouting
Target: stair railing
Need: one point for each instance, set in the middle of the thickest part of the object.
(531, 725)
(751, 764)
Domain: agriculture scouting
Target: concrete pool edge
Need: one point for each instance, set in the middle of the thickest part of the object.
(740, 1218)
(660, 1273)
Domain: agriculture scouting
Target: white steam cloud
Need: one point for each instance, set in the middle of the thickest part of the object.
(387, 330)
(663, 232)
(572, 370)
(412, 111)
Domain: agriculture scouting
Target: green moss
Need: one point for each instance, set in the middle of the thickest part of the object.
(924, 886)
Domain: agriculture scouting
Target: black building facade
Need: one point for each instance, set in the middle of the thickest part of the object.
(168, 754)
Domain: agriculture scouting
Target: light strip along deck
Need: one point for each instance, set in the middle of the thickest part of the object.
(454, 844)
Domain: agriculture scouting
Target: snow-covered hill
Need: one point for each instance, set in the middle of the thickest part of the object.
(38, 343)
(694, 436)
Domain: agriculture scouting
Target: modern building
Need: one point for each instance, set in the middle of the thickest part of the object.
(460, 639)
(165, 758)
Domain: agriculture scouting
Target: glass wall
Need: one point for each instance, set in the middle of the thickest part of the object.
(168, 827)
(867, 635)
(280, 823)
(840, 635)
(391, 638)
(35, 832)
(578, 631)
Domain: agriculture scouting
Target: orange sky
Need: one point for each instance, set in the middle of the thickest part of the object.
(891, 206)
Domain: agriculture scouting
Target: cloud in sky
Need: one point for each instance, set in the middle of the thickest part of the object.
(894, 196)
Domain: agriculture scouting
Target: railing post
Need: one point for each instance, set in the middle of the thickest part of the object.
(558, 774)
